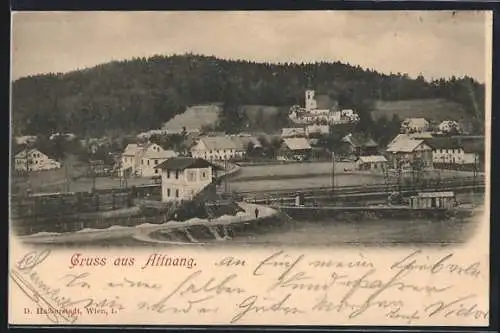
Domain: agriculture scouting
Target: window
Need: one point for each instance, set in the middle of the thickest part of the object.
(203, 175)
(156, 162)
(177, 193)
(142, 162)
(156, 170)
(176, 174)
(168, 192)
(168, 173)
(191, 175)
(148, 162)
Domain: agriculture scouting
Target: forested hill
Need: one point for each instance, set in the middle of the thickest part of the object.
(142, 93)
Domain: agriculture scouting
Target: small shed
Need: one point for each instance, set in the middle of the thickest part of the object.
(443, 200)
(372, 162)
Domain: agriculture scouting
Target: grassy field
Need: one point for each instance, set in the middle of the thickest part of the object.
(269, 171)
(194, 118)
(250, 178)
(315, 174)
(432, 109)
(301, 183)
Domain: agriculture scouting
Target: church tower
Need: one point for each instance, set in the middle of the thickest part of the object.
(310, 100)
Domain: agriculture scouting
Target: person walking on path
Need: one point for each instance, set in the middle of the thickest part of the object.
(256, 213)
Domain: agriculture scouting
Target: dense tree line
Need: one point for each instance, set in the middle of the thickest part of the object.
(140, 94)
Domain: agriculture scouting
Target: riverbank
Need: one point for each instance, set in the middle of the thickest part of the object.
(142, 231)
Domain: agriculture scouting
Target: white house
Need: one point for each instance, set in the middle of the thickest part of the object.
(140, 160)
(454, 151)
(410, 125)
(34, 160)
(449, 125)
(184, 177)
(317, 129)
(154, 155)
(290, 132)
(219, 148)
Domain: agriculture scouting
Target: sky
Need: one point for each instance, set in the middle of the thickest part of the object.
(434, 44)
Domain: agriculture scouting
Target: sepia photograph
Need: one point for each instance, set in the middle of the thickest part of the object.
(180, 139)
(220, 131)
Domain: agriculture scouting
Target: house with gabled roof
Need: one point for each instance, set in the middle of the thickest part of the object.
(457, 150)
(404, 151)
(414, 125)
(371, 162)
(34, 160)
(141, 159)
(219, 148)
(360, 145)
(295, 149)
(182, 178)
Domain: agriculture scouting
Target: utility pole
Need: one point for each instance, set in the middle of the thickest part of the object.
(225, 171)
(66, 175)
(399, 171)
(92, 170)
(474, 177)
(333, 172)
(27, 151)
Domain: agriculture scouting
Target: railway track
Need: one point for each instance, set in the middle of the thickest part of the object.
(448, 184)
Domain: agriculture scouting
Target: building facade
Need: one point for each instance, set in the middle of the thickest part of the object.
(34, 160)
(446, 151)
(312, 130)
(140, 160)
(325, 114)
(405, 152)
(219, 148)
(449, 126)
(292, 132)
(295, 149)
(374, 162)
(358, 145)
(433, 200)
(414, 125)
(184, 177)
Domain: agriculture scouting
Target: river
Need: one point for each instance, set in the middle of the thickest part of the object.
(285, 231)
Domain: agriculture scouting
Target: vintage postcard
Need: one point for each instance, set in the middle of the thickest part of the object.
(250, 168)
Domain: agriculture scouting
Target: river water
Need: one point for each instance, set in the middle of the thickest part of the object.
(285, 231)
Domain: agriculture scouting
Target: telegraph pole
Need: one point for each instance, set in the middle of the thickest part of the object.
(93, 177)
(27, 151)
(333, 172)
(474, 177)
(66, 175)
(225, 178)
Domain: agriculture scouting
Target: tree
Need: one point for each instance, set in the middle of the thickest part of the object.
(140, 94)
(275, 146)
